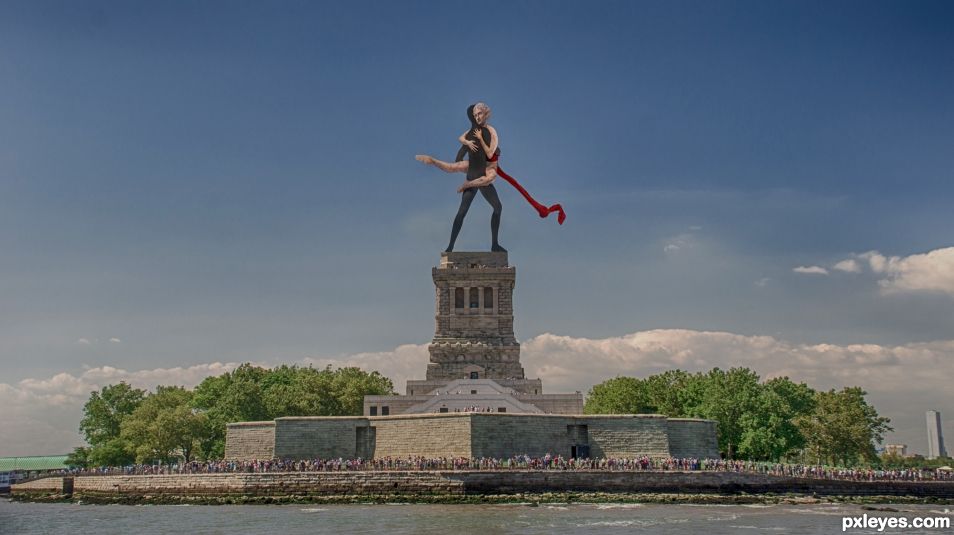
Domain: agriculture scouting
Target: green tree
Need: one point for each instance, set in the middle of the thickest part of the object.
(673, 392)
(235, 396)
(733, 399)
(350, 385)
(843, 428)
(621, 395)
(251, 393)
(103, 415)
(78, 458)
(767, 430)
(165, 427)
(114, 452)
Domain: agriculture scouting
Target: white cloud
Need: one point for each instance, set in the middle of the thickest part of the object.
(405, 362)
(83, 342)
(925, 272)
(930, 272)
(763, 282)
(902, 381)
(810, 270)
(676, 243)
(41, 416)
(115, 340)
(848, 266)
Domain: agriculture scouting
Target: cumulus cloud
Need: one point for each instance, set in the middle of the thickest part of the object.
(405, 362)
(42, 415)
(930, 272)
(810, 270)
(902, 381)
(115, 340)
(848, 266)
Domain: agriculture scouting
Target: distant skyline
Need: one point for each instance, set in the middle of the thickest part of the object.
(186, 186)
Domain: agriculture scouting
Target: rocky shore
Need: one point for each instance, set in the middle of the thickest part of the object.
(479, 487)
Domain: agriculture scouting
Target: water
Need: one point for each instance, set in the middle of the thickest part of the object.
(32, 518)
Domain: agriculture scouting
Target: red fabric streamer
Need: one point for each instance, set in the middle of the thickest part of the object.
(544, 211)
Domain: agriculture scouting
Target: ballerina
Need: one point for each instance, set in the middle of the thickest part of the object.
(481, 169)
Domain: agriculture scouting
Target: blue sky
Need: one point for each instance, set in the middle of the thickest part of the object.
(230, 181)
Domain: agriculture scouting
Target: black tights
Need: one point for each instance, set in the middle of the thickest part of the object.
(490, 193)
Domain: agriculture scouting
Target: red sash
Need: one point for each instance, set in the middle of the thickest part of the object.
(544, 211)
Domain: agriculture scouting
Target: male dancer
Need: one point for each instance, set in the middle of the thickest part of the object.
(480, 176)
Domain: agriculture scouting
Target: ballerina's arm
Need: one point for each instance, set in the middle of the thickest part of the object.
(489, 150)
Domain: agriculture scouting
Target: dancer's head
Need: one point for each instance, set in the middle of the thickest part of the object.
(470, 115)
(481, 113)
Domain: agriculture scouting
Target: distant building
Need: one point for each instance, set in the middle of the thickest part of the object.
(13, 469)
(901, 450)
(935, 437)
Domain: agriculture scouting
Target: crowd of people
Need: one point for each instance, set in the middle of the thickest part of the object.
(525, 462)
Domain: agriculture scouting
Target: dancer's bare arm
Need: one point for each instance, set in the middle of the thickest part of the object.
(456, 167)
(464, 141)
(489, 150)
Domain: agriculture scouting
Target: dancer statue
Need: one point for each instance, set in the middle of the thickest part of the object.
(481, 169)
(481, 145)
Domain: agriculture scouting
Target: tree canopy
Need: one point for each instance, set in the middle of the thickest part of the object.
(103, 415)
(122, 424)
(757, 420)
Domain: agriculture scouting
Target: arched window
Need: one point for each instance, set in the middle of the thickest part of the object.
(458, 298)
(474, 298)
(488, 298)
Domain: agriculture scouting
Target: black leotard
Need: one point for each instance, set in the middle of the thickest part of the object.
(476, 168)
(477, 160)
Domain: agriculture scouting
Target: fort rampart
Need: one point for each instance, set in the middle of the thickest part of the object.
(472, 435)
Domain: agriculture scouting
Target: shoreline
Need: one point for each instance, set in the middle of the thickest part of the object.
(526, 499)
(478, 487)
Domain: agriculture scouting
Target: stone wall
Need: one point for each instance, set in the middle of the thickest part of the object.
(395, 404)
(505, 435)
(497, 435)
(430, 435)
(130, 489)
(250, 440)
(693, 438)
(319, 436)
(627, 436)
(44, 485)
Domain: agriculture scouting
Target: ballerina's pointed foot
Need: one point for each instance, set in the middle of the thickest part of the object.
(498, 249)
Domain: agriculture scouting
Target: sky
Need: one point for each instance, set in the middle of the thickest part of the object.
(185, 186)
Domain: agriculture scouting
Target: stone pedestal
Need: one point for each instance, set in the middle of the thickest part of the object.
(474, 336)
